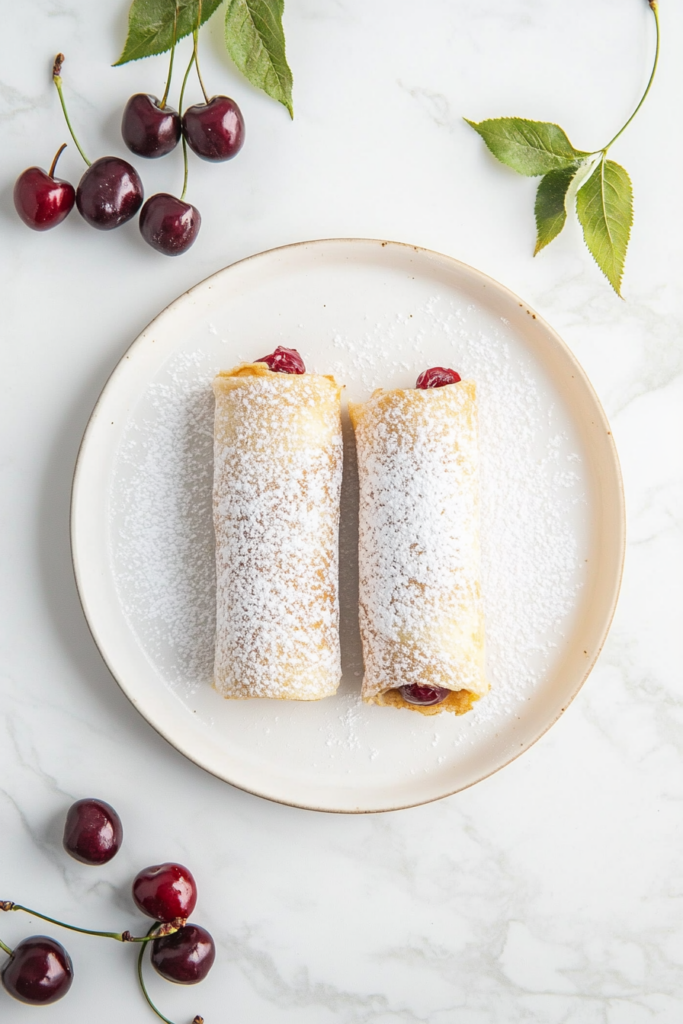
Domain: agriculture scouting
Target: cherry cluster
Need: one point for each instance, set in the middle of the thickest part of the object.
(110, 191)
(39, 969)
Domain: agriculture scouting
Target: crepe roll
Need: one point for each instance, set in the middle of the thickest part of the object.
(421, 615)
(277, 481)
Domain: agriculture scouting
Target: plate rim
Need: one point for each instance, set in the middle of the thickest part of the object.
(619, 526)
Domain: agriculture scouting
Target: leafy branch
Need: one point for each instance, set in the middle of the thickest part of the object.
(254, 37)
(604, 195)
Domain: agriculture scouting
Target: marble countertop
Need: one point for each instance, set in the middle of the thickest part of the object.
(552, 891)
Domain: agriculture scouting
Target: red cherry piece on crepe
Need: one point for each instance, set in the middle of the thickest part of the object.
(423, 695)
(437, 377)
(284, 360)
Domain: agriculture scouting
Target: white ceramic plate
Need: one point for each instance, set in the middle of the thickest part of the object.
(374, 314)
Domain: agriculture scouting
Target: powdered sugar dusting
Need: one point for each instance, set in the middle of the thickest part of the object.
(161, 513)
(277, 478)
(420, 596)
(531, 565)
(533, 505)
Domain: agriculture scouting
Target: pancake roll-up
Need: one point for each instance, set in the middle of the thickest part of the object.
(421, 614)
(277, 480)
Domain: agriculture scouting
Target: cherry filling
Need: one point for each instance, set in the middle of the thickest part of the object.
(425, 695)
(284, 360)
(437, 377)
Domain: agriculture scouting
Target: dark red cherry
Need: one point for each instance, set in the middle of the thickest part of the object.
(41, 200)
(109, 193)
(186, 956)
(424, 695)
(214, 130)
(168, 224)
(93, 832)
(437, 377)
(165, 891)
(148, 129)
(39, 971)
(283, 360)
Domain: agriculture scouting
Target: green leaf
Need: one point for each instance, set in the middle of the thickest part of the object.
(150, 25)
(551, 204)
(604, 205)
(528, 147)
(256, 42)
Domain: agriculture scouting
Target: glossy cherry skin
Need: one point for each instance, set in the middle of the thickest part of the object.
(283, 360)
(147, 129)
(168, 224)
(93, 832)
(39, 971)
(165, 891)
(424, 695)
(109, 193)
(214, 130)
(437, 377)
(42, 202)
(186, 956)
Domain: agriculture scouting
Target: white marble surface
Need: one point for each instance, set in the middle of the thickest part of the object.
(550, 893)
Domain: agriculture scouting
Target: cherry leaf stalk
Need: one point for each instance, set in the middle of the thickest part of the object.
(254, 37)
(604, 196)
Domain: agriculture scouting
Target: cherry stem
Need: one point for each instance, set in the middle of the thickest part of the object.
(199, 74)
(195, 36)
(197, 1019)
(53, 165)
(182, 195)
(182, 88)
(155, 932)
(6, 948)
(180, 108)
(170, 66)
(57, 79)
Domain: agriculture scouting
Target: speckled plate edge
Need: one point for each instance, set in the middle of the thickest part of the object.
(610, 521)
